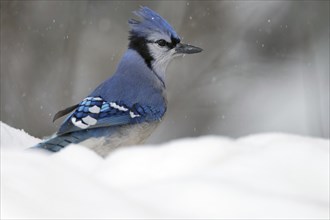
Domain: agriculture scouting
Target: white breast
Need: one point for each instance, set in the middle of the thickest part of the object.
(124, 136)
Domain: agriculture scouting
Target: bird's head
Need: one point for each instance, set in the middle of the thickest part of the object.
(156, 41)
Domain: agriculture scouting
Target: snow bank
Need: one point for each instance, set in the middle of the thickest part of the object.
(260, 176)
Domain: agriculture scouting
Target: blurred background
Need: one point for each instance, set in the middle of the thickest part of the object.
(264, 68)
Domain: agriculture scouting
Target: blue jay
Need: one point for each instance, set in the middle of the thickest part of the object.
(126, 108)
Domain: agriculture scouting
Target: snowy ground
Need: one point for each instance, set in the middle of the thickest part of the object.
(259, 176)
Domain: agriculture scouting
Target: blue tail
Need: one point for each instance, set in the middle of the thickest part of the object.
(57, 143)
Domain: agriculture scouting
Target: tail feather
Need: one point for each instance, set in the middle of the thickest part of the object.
(57, 143)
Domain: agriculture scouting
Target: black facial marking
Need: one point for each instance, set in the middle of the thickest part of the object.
(139, 44)
(175, 41)
(172, 44)
(161, 42)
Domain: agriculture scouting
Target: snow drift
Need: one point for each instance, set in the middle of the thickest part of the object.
(259, 176)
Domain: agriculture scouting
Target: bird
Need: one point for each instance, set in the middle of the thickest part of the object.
(128, 106)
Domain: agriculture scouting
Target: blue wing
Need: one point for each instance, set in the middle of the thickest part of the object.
(94, 112)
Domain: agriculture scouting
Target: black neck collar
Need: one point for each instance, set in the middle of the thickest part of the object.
(139, 44)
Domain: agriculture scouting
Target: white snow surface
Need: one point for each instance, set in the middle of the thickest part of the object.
(257, 177)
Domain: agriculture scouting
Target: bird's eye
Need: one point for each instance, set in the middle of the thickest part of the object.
(161, 42)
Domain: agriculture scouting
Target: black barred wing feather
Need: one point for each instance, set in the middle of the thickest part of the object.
(94, 112)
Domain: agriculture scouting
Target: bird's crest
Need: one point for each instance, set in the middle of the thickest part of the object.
(150, 23)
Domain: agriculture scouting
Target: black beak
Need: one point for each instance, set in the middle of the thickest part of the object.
(187, 49)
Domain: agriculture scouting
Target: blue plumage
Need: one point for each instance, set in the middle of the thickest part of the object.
(151, 22)
(125, 108)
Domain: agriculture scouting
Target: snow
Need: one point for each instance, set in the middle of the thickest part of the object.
(259, 176)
